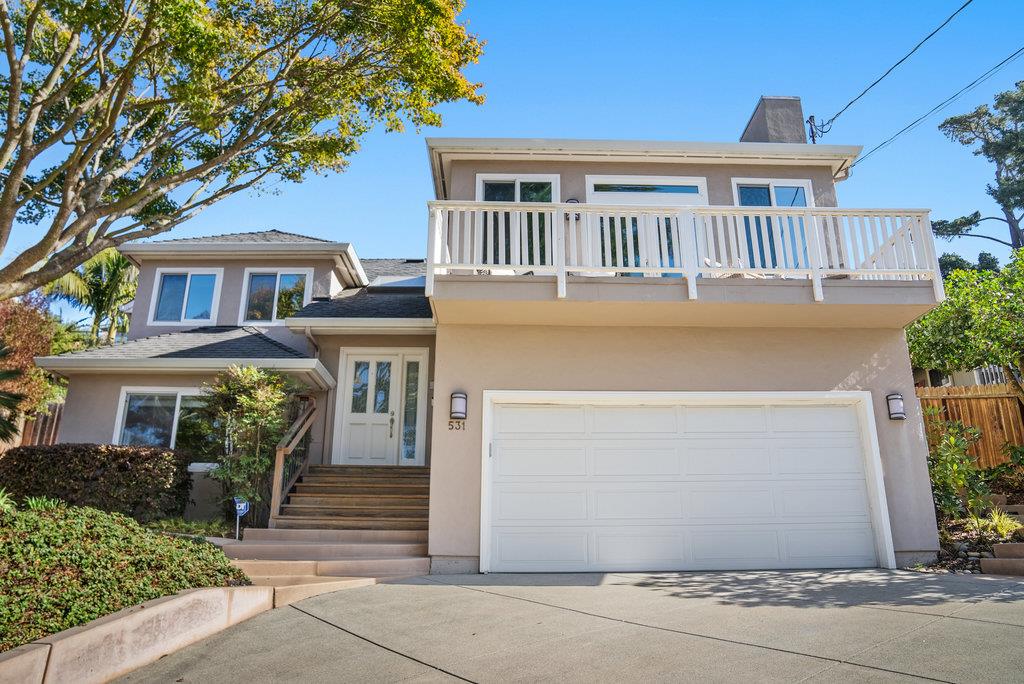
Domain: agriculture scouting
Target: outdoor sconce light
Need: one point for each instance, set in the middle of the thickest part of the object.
(896, 410)
(458, 411)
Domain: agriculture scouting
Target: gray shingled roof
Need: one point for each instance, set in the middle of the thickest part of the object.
(220, 342)
(370, 304)
(375, 268)
(275, 236)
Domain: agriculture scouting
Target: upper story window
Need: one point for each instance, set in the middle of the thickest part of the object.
(675, 191)
(521, 187)
(185, 296)
(274, 294)
(770, 192)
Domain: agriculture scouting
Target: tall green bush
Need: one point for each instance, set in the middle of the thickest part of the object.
(143, 482)
(238, 422)
(959, 485)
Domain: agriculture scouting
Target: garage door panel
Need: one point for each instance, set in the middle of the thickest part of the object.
(642, 420)
(821, 459)
(558, 504)
(829, 419)
(664, 505)
(540, 419)
(748, 487)
(537, 460)
(633, 460)
(728, 419)
(639, 549)
(729, 504)
(709, 460)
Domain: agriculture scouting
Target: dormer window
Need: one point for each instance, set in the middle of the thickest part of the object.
(185, 296)
(272, 295)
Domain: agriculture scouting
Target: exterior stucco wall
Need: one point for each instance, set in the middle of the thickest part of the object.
(477, 358)
(572, 176)
(232, 287)
(330, 356)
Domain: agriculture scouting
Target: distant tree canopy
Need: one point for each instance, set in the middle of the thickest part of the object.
(997, 134)
(124, 118)
(949, 262)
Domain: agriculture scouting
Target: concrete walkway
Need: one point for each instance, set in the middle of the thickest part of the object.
(759, 626)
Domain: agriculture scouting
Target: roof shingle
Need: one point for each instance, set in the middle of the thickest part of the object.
(215, 342)
(369, 304)
(276, 236)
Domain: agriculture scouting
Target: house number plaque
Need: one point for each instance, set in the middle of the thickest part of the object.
(456, 425)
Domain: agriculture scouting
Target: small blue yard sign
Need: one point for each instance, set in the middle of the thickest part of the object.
(241, 508)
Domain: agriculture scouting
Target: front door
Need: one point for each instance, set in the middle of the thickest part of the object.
(383, 412)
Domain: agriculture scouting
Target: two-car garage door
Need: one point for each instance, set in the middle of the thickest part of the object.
(673, 484)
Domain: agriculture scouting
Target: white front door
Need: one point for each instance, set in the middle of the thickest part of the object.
(382, 408)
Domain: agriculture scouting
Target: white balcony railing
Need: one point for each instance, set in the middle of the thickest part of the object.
(509, 239)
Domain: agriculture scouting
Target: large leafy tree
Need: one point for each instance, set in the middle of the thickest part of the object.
(26, 331)
(980, 323)
(997, 134)
(123, 118)
(103, 285)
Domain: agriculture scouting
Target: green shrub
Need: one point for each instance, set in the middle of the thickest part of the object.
(196, 528)
(66, 566)
(143, 482)
(998, 523)
(959, 486)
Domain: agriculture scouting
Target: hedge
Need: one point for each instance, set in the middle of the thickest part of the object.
(65, 566)
(143, 482)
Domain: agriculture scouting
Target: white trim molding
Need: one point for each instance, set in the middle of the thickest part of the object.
(363, 326)
(772, 183)
(178, 393)
(278, 271)
(552, 178)
(860, 400)
(188, 272)
(646, 198)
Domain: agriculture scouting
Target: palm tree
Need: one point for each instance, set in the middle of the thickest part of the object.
(103, 285)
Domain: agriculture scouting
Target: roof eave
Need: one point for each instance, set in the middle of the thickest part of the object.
(365, 326)
(312, 370)
(199, 249)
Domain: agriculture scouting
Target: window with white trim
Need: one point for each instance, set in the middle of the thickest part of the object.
(185, 296)
(673, 191)
(152, 416)
(273, 295)
(522, 187)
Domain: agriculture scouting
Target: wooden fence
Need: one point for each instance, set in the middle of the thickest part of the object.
(993, 409)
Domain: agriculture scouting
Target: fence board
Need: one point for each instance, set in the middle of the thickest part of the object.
(992, 409)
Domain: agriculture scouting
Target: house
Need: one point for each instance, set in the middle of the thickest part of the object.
(617, 355)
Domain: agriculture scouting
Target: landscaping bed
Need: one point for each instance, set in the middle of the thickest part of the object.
(62, 566)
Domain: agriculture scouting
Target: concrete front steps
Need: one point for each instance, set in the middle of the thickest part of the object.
(1009, 560)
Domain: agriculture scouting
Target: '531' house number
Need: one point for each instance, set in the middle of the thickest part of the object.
(456, 425)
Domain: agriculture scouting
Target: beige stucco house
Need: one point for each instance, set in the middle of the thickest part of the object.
(616, 355)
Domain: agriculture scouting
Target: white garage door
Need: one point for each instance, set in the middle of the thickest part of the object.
(600, 487)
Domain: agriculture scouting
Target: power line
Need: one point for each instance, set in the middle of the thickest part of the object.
(818, 130)
(970, 86)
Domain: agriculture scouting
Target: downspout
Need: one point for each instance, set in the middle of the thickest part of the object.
(316, 355)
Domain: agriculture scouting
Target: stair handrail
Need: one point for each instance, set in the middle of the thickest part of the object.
(298, 429)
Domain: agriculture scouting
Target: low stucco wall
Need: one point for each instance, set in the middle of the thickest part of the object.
(477, 358)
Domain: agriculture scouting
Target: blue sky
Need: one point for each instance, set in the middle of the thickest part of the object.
(680, 71)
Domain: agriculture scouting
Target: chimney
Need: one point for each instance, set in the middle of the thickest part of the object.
(776, 119)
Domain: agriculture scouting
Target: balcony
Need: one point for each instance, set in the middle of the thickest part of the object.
(694, 251)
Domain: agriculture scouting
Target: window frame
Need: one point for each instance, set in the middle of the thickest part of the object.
(595, 197)
(122, 406)
(553, 178)
(188, 271)
(805, 183)
(307, 294)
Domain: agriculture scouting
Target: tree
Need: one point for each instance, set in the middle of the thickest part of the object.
(26, 331)
(980, 323)
(10, 401)
(103, 285)
(998, 136)
(949, 262)
(124, 118)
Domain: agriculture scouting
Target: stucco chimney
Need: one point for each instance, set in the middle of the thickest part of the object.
(776, 119)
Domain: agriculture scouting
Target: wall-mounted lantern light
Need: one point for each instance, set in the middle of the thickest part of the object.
(896, 409)
(458, 411)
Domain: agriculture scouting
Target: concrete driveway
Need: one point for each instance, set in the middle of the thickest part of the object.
(766, 626)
